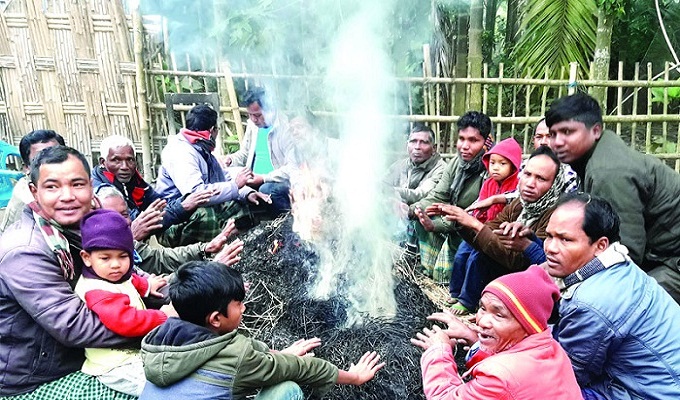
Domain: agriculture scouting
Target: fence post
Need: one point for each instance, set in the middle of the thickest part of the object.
(143, 103)
(573, 71)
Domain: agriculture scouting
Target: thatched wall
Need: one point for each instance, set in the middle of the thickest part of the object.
(67, 66)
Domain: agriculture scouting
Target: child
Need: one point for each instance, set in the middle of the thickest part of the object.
(113, 292)
(202, 356)
(502, 163)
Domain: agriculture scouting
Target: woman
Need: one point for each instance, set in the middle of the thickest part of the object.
(514, 355)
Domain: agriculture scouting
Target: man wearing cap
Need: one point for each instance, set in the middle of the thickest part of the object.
(514, 355)
(617, 324)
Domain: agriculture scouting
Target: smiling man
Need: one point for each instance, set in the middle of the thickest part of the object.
(513, 355)
(44, 326)
(616, 323)
(644, 191)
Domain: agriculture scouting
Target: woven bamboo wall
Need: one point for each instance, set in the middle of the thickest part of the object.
(68, 66)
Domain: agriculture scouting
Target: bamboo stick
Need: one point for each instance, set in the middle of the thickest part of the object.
(648, 133)
(619, 99)
(233, 100)
(142, 100)
(633, 132)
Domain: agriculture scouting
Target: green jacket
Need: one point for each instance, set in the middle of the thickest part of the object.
(442, 193)
(414, 181)
(165, 260)
(646, 194)
(182, 358)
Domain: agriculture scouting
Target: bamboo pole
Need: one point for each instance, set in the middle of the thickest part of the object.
(648, 132)
(499, 106)
(573, 78)
(619, 98)
(633, 131)
(233, 100)
(142, 100)
(664, 125)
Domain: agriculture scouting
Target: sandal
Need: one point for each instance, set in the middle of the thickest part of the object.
(460, 310)
(451, 300)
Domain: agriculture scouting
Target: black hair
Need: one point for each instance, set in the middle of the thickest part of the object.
(37, 136)
(578, 107)
(477, 120)
(420, 127)
(599, 217)
(202, 287)
(256, 95)
(201, 118)
(55, 155)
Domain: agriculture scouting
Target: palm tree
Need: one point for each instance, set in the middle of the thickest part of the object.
(554, 33)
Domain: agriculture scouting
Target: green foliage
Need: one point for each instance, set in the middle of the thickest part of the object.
(616, 8)
(658, 94)
(555, 33)
(660, 145)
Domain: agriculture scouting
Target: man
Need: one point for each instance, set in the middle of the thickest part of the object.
(44, 326)
(267, 149)
(188, 166)
(616, 323)
(460, 184)
(513, 355)
(642, 189)
(29, 146)
(414, 177)
(497, 249)
(118, 167)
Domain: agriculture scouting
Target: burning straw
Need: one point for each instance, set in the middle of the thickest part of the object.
(280, 268)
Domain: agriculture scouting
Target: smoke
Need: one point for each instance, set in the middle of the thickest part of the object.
(354, 48)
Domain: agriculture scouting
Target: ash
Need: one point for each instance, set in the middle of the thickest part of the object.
(280, 267)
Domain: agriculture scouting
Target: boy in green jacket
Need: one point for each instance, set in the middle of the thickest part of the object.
(202, 356)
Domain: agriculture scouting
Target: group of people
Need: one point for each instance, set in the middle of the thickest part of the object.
(80, 286)
(586, 225)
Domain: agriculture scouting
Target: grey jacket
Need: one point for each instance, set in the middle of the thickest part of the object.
(44, 325)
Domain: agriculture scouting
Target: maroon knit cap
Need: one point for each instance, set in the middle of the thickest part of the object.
(104, 229)
(529, 295)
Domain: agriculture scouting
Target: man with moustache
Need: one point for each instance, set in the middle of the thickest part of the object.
(644, 191)
(44, 325)
(616, 323)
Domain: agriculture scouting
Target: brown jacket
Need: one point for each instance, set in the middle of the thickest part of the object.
(488, 243)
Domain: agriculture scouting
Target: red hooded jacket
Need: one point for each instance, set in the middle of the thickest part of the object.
(510, 149)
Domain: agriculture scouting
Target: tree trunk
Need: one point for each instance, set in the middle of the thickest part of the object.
(461, 62)
(475, 51)
(511, 24)
(490, 28)
(603, 41)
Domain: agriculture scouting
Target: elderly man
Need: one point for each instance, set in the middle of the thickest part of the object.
(513, 356)
(44, 326)
(118, 167)
(267, 149)
(460, 184)
(642, 189)
(616, 323)
(414, 177)
(188, 166)
(497, 249)
(29, 147)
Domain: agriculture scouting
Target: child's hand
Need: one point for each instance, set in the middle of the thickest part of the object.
(155, 283)
(366, 368)
(169, 310)
(303, 347)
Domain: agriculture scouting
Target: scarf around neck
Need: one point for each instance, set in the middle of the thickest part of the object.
(201, 139)
(57, 242)
(466, 169)
(533, 211)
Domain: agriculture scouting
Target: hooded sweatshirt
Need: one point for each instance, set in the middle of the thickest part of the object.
(510, 149)
(184, 360)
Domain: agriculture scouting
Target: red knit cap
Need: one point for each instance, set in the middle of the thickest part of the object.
(529, 295)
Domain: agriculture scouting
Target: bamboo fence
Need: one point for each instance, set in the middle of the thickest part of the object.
(87, 69)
